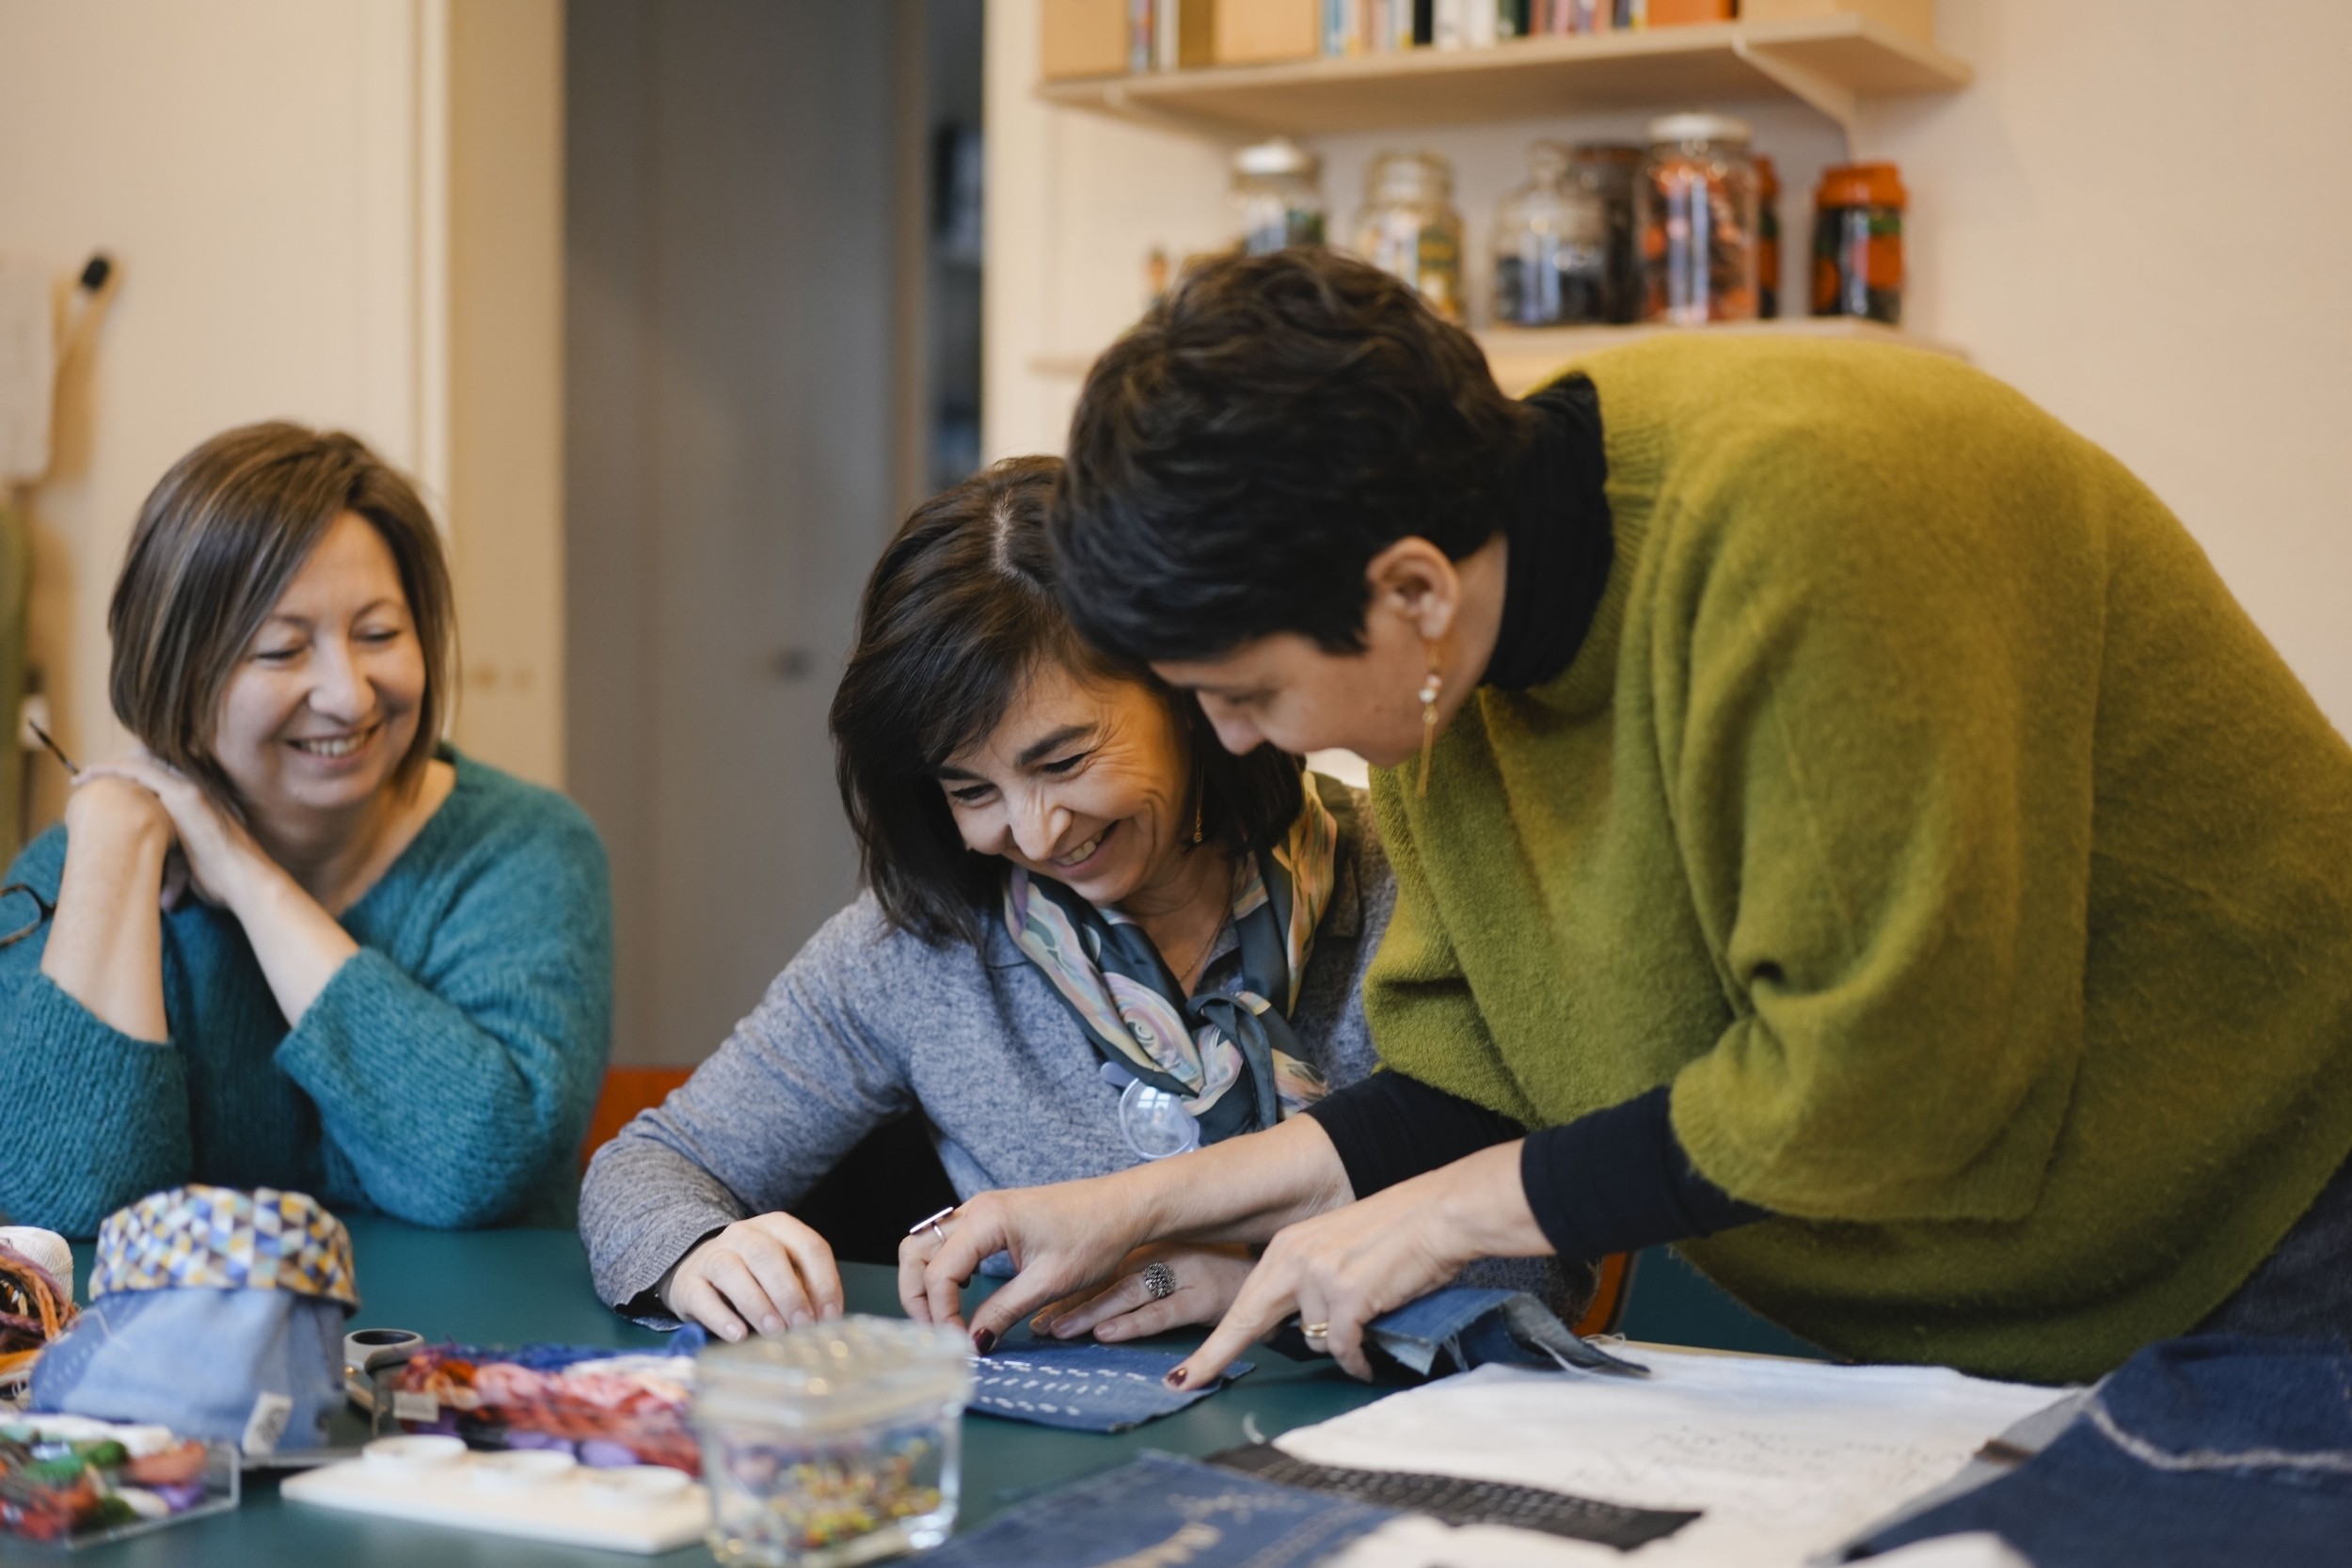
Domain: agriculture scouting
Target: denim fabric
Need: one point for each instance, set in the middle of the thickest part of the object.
(1472, 1327)
(197, 1361)
(2304, 1289)
(1164, 1509)
(1083, 1386)
(2215, 1448)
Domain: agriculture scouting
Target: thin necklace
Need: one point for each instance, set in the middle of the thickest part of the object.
(1185, 979)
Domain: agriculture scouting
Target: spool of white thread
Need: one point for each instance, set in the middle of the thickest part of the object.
(45, 1247)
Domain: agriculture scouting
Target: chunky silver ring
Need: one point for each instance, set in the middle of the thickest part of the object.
(932, 1224)
(1159, 1281)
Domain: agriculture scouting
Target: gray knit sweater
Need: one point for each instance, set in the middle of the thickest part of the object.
(869, 1023)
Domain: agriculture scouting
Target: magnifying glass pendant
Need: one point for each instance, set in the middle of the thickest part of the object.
(1157, 1123)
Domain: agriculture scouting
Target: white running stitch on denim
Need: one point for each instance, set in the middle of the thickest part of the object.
(2212, 1459)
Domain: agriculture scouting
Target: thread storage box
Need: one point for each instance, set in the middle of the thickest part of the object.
(834, 1444)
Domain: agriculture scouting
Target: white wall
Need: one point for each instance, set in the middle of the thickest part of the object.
(2134, 215)
(274, 180)
(251, 165)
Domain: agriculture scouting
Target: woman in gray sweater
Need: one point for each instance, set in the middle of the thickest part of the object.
(1090, 937)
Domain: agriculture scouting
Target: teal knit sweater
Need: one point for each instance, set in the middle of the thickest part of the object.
(445, 1075)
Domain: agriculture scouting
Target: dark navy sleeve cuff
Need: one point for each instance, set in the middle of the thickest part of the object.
(1618, 1181)
(1390, 1128)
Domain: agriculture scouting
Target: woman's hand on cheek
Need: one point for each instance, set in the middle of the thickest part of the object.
(1207, 1277)
(215, 856)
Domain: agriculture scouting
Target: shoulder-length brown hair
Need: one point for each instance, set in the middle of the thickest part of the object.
(959, 611)
(216, 543)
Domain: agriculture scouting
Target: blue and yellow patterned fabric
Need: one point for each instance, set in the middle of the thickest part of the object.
(264, 1239)
(216, 1312)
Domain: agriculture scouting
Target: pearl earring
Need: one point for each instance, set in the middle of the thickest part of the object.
(1429, 689)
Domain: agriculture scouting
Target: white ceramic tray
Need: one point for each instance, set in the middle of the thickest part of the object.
(532, 1492)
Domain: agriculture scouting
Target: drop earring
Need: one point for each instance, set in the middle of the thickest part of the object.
(1199, 798)
(1429, 689)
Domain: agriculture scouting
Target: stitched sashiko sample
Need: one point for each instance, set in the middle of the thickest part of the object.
(2214, 1449)
(1461, 1500)
(1165, 1509)
(1083, 1386)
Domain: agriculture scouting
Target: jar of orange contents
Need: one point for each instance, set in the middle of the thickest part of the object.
(1858, 242)
(1697, 199)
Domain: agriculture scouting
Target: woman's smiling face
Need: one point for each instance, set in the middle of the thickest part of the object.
(323, 705)
(1085, 778)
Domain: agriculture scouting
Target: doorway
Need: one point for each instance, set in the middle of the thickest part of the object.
(740, 348)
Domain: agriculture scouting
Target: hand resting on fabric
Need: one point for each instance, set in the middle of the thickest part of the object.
(1068, 1238)
(1207, 1276)
(763, 1275)
(1347, 1267)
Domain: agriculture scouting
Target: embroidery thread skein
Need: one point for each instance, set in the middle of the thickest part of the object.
(35, 1307)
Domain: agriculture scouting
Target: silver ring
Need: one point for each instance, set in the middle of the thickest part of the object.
(1159, 1281)
(932, 1224)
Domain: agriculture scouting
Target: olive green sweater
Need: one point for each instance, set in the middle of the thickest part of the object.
(1922, 807)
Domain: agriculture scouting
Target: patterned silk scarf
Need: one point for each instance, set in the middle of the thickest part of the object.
(1231, 1058)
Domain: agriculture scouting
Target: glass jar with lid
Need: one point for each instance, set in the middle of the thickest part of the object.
(834, 1444)
(1698, 203)
(1858, 242)
(1611, 170)
(1277, 194)
(1408, 226)
(1551, 247)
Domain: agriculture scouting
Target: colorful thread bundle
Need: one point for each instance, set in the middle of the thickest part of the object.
(35, 1308)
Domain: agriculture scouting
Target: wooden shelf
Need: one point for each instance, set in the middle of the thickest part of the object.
(1522, 357)
(1832, 62)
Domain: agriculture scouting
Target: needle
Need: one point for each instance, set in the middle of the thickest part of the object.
(54, 750)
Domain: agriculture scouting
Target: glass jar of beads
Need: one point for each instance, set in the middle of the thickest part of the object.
(1277, 193)
(1408, 226)
(1698, 217)
(1611, 172)
(1551, 247)
(834, 1444)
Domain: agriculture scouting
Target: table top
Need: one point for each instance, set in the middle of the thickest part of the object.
(515, 1286)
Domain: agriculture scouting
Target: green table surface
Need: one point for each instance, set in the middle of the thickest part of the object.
(513, 1286)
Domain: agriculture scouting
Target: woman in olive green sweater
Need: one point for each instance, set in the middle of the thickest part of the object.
(1862, 840)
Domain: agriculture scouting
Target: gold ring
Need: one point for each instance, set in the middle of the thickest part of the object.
(1312, 1331)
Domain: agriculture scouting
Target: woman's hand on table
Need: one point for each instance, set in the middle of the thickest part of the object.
(1345, 1268)
(763, 1275)
(1206, 1276)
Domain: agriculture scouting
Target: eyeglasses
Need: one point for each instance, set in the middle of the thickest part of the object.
(42, 909)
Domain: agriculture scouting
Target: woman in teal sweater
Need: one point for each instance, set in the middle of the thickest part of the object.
(1844, 828)
(292, 940)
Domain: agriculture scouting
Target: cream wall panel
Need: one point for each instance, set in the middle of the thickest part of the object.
(505, 358)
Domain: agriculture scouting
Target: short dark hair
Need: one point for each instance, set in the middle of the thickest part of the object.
(959, 613)
(1242, 453)
(219, 541)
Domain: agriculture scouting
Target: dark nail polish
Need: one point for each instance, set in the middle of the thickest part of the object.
(1176, 1378)
(985, 1340)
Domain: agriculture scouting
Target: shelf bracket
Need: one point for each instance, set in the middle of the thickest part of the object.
(1841, 103)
